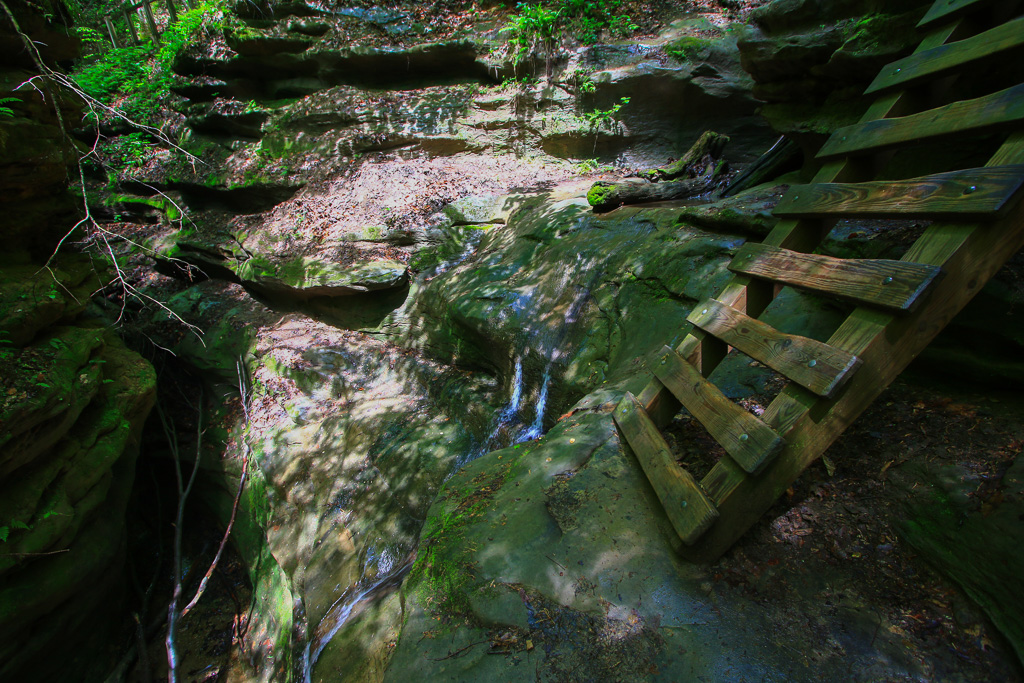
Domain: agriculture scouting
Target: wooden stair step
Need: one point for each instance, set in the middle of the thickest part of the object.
(750, 442)
(949, 57)
(999, 110)
(808, 362)
(687, 506)
(950, 9)
(892, 285)
(971, 194)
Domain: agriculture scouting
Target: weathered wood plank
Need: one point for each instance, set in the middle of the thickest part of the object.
(151, 22)
(949, 57)
(971, 194)
(129, 18)
(688, 508)
(808, 362)
(894, 285)
(750, 442)
(999, 110)
(111, 32)
(949, 9)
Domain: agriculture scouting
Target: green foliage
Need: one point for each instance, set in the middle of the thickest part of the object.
(116, 70)
(90, 36)
(601, 117)
(582, 81)
(689, 48)
(587, 19)
(533, 27)
(137, 79)
(544, 27)
(7, 111)
(6, 529)
(127, 151)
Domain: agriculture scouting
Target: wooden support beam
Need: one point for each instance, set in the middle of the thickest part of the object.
(971, 194)
(685, 503)
(150, 21)
(750, 442)
(980, 115)
(110, 30)
(950, 10)
(172, 12)
(810, 363)
(885, 344)
(1001, 40)
(753, 296)
(129, 17)
(893, 285)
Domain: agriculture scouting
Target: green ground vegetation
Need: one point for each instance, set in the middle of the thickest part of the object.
(543, 28)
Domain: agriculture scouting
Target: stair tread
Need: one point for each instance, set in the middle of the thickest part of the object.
(970, 194)
(687, 506)
(808, 362)
(748, 440)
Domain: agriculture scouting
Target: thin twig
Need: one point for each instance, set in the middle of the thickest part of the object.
(51, 552)
(240, 367)
(183, 493)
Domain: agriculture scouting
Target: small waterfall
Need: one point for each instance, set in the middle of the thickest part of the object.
(537, 426)
(510, 426)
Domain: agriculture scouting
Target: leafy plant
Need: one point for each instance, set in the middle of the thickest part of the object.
(137, 79)
(6, 529)
(543, 29)
(601, 117)
(582, 81)
(128, 151)
(7, 111)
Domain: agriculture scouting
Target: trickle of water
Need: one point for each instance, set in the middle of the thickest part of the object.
(387, 568)
(537, 426)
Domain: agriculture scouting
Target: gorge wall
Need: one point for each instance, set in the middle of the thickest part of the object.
(378, 231)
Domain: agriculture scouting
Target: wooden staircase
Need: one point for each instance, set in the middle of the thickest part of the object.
(900, 304)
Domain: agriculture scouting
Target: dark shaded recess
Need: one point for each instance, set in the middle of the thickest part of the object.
(248, 126)
(358, 311)
(601, 145)
(264, 10)
(209, 268)
(284, 75)
(965, 151)
(316, 123)
(267, 46)
(255, 198)
(37, 225)
(132, 212)
(180, 270)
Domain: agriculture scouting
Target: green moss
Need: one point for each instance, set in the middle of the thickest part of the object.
(690, 48)
(443, 572)
(160, 203)
(599, 194)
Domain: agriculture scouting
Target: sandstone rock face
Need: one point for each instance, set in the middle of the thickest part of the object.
(73, 400)
(811, 60)
(74, 403)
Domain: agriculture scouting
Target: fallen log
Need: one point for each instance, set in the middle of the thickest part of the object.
(785, 155)
(606, 195)
(699, 160)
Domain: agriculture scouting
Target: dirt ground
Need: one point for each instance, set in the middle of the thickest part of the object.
(833, 543)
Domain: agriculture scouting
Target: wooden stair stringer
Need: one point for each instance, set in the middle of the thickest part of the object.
(970, 254)
(751, 296)
(884, 342)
